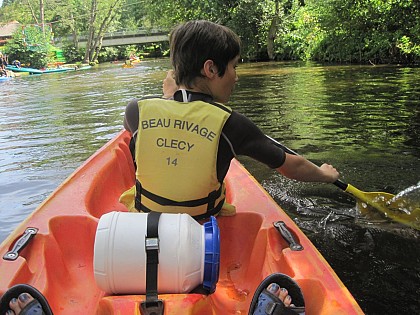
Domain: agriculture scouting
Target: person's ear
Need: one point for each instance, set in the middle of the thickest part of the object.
(209, 69)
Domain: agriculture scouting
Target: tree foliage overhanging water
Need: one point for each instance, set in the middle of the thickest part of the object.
(362, 31)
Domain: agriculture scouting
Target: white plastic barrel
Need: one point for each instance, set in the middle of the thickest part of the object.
(189, 253)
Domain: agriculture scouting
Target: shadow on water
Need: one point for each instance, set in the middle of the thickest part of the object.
(363, 120)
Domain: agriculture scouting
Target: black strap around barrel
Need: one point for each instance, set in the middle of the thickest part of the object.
(152, 305)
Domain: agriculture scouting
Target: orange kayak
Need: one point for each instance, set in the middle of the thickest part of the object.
(58, 259)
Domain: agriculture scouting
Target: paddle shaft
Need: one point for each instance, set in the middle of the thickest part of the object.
(340, 184)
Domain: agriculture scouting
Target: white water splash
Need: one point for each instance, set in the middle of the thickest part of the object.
(407, 200)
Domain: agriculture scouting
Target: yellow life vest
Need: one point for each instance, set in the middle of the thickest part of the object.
(176, 157)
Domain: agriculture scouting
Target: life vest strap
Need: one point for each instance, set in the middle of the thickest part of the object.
(211, 212)
(210, 199)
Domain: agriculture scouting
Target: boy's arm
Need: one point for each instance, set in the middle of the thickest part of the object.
(131, 117)
(249, 140)
(298, 168)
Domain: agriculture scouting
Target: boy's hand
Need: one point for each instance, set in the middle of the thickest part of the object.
(330, 172)
(169, 86)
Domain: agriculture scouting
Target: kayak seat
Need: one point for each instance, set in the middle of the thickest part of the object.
(52, 260)
(242, 245)
(67, 255)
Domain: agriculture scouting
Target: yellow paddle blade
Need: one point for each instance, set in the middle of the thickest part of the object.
(384, 202)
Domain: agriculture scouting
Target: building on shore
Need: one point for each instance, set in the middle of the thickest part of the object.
(7, 30)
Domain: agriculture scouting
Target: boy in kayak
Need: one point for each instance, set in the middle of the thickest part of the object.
(192, 138)
(183, 144)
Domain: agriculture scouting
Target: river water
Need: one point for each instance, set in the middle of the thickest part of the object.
(365, 120)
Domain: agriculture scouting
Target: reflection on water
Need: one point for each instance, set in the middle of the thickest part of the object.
(363, 120)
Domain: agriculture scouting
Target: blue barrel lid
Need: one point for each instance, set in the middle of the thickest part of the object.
(212, 254)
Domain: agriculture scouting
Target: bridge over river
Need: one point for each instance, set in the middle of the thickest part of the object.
(124, 37)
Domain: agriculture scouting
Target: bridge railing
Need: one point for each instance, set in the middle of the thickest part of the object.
(117, 34)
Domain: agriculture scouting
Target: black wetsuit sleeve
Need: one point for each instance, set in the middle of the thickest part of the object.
(132, 116)
(247, 139)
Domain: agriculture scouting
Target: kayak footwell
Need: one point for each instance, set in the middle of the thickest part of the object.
(58, 261)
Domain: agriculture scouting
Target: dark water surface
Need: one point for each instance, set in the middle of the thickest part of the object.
(363, 120)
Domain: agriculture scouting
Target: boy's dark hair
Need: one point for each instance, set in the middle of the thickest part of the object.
(194, 42)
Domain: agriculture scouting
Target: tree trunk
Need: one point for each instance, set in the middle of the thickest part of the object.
(272, 33)
(32, 12)
(91, 31)
(74, 32)
(41, 15)
(96, 47)
(94, 41)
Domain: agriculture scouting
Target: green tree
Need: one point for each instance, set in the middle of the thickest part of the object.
(101, 16)
(33, 52)
(13, 10)
(375, 31)
(133, 15)
(7, 2)
(367, 30)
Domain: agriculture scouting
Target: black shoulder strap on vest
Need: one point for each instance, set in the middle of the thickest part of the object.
(152, 305)
(132, 147)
